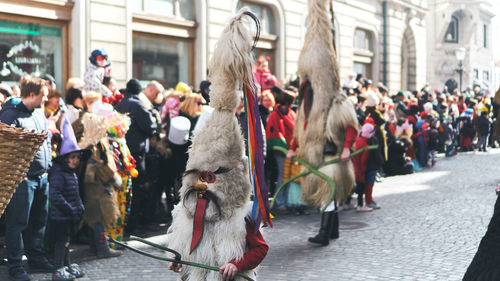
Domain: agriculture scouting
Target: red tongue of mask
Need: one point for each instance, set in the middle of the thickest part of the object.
(201, 206)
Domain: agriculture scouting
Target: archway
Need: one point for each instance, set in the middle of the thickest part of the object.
(408, 62)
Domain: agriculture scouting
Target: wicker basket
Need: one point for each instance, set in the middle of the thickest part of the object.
(18, 147)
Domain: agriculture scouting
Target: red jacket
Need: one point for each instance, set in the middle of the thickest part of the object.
(257, 249)
(360, 161)
(279, 128)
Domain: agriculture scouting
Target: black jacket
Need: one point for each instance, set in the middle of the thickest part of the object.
(15, 112)
(483, 126)
(65, 200)
(142, 125)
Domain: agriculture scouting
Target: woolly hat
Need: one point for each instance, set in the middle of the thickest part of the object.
(367, 131)
(371, 98)
(183, 87)
(133, 87)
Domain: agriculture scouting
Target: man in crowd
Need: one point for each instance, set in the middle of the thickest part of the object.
(142, 127)
(27, 211)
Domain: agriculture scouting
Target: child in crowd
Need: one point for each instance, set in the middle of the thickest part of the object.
(483, 129)
(66, 204)
(366, 165)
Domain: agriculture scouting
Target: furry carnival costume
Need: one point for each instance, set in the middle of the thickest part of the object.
(326, 120)
(210, 224)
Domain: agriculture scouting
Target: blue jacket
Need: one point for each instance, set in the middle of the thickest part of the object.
(66, 204)
(15, 112)
(142, 125)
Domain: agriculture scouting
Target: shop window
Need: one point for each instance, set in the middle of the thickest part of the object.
(164, 59)
(174, 8)
(451, 35)
(28, 48)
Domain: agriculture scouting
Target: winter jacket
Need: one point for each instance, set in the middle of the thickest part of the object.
(66, 204)
(15, 112)
(142, 125)
(279, 129)
(483, 126)
(93, 80)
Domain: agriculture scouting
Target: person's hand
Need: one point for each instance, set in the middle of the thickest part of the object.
(174, 268)
(228, 271)
(291, 154)
(346, 154)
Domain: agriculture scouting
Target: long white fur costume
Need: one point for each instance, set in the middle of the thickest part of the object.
(218, 144)
(331, 112)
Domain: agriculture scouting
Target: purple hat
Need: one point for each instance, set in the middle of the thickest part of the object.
(69, 143)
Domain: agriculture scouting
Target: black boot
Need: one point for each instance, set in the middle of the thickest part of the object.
(335, 226)
(323, 237)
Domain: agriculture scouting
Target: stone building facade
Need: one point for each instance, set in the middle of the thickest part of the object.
(396, 42)
(460, 24)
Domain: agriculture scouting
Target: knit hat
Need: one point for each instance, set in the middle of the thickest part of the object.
(133, 87)
(371, 98)
(367, 131)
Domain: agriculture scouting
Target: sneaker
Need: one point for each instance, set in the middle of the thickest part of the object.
(18, 274)
(363, 209)
(347, 207)
(62, 275)
(43, 266)
(74, 270)
(373, 205)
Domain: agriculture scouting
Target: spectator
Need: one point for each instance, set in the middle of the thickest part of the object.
(142, 127)
(483, 129)
(66, 205)
(266, 105)
(95, 73)
(263, 75)
(279, 132)
(26, 214)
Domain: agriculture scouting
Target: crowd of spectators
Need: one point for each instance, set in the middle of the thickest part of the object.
(133, 142)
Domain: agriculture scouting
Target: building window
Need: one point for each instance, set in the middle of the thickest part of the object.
(451, 35)
(485, 36)
(486, 76)
(173, 8)
(164, 59)
(363, 52)
(363, 40)
(266, 46)
(476, 73)
(29, 48)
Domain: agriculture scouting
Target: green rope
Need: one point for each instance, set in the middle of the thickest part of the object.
(176, 260)
(315, 170)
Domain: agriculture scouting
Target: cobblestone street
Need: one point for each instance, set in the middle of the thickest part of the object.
(428, 228)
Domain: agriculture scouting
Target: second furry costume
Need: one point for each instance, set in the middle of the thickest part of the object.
(326, 121)
(211, 223)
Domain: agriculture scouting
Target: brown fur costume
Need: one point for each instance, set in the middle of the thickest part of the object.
(331, 113)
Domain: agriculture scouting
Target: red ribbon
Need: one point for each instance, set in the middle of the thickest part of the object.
(199, 215)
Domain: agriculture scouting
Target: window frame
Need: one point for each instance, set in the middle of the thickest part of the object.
(455, 21)
(365, 56)
(190, 41)
(65, 38)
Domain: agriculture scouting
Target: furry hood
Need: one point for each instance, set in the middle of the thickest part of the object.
(217, 149)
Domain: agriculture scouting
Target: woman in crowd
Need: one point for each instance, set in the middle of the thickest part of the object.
(279, 132)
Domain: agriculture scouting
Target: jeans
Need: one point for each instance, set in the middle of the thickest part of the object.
(280, 162)
(26, 218)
